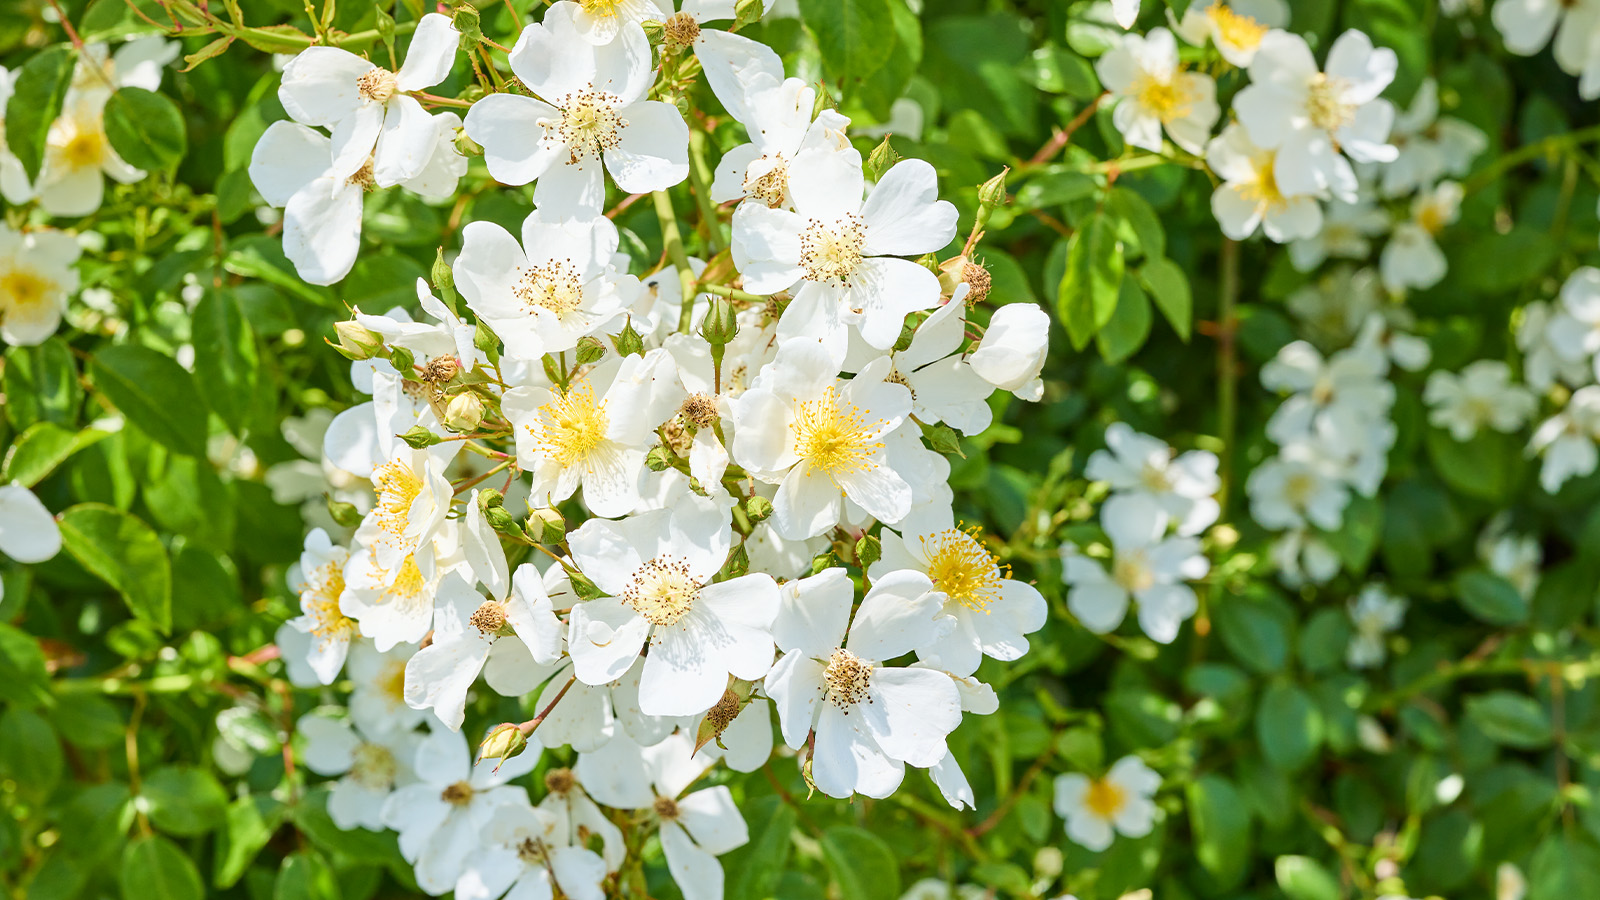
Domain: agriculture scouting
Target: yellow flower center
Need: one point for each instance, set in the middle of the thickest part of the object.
(591, 122)
(1132, 571)
(771, 186)
(554, 287)
(1105, 798)
(374, 766)
(1264, 190)
(86, 149)
(846, 680)
(321, 602)
(662, 591)
(1234, 29)
(392, 683)
(960, 566)
(600, 8)
(570, 426)
(832, 251)
(1155, 478)
(458, 794)
(1166, 100)
(1299, 488)
(376, 84)
(21, 288)
(397, 487)
(1432, 217)
(1325, 103)
(835, 437)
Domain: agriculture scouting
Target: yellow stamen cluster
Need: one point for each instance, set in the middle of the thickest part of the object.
(570, 426)
(666, 808)
(1105, 798)
(363, 177)
(23, 287)
(1234, 29)
(700, 410)
(397, 487)
(961, 567)
(376, 84)
(1166, 100)
(374, 766)
(834, 436)
(322, 604)
(1325, 104)
(488, 618)
(555, 287)
(591, 123)
(1264, 190)
(458, 794)
(832, 251)
(662, 591)
(771, 186)
(847, 680)
(681, 30)
(1132, 571)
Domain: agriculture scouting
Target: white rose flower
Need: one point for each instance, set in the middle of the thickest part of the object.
(1249, 197)
(1146, 566)
(1526, 26)
(779, 120)
(372, 765)
(1152, 92)
(1097, 809)
(319, 581)
(1297, 487)
(1374, 613)
(530, 852)
(1412, 258)
(1482, 395)
(1012, 352)
(36, 280)
(1569, 441)
(1185, 486)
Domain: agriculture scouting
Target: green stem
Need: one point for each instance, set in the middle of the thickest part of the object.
(700, 183)
(673, 239)
(722, 290)
(1227, 367)
(1527, 153)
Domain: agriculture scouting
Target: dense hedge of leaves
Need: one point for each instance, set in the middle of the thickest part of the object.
(147, 739)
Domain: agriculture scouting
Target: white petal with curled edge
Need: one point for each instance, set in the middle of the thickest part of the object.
(28, 533)
(432, 50)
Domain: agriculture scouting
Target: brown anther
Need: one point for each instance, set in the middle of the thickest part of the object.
(458, 794)
(700, 410)
(559, 781)
(440, 369)
(666, 808)
(489, 618)
(978, 279)
(681, 30)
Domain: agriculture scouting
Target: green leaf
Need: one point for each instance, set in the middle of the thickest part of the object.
(854, 36)
(41, 448)
(1323, 640)
(1358, 536)
(154, 867)
(753, 874)
(125, 553)
(226, 363)
(1565, 867)
(1257, 634)
(304, 876)
(311, 817)
(1491, 598)
(184, 800)
(154, 393)
(1138, 225)
(41, 384)
(145, 128)
(1509, 718)
(1129, 326)
(1487, 467)
(1087, 295)
(23, 675)
(1053, 188)
(251, 820)
(35, 102)
(1169, 287)
(1303, 878)
(91, 722)
(1220, 820)
(30, 755)
(861, 864)
(1289, 726)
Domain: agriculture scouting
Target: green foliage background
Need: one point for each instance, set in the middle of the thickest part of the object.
(132, 660)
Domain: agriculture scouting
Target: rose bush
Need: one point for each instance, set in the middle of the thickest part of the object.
(833, 448)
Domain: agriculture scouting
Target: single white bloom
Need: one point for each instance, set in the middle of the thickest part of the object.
(843, 251)
(1526, 26)
(1315, 119)
(36, 279)
(370, 109)
(292, 167)
(541, 300)
(1146, 566)
(657, 568)
(944, 386)
(394, 605)
(602, 21)
(372, 766)
(735, 66)
(695, 829)
(779, 121)
(28, 533)
(1235, 28)
(1569, 441)
(1346, 232)
(1012, 352)
(1302, 557)
(1518, 559)
(413, 498)
(1185, 486)
(441, 817)
(1374, 612)
(993, 613)
(378, 697)
(137, 63)
(583, 816)
(530, 852)
(593, 118)
(1575, 334)
(1152, 92)
(1249, 197)
(1430, 146)
(319, 580)
(869, 719)
(1297, 487)
(78, 156)
(1482, 395)
(1542, 363)
(1097, 809)
(821, 440)
(1412, 258)
(1333, 400)
(594, 433)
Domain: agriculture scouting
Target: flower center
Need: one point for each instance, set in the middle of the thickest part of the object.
(559, 781)
(374, 766)
(960, 566)
(1166, 100)
(531, 851)
(570, 426)
(376, 84)
(835, 437)
(681, 30)
(600, 8)
(554, 287)
(86, 149)
(1132, 571)
(1264, 190)
(398, 488)
(1432, 217)
(488, 618)
(1325, 103)
(666, 808)
(1154, 478)
(767, 179)
(322, 604)
(1105, 798)
(847, 679)
(392, 683)
(1234, 29)
(1299, 488)
(22, 288)
(700, 409)
(832, 252)
(458, 794)
(363, 177)
(591, 123)
(662, 591)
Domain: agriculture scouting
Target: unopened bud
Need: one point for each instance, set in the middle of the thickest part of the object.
(992, 193)
(881, 158)
(486, 341)
(590, 350)
(721, 323)
(502, 743)
(758, 508)
(357, 341)
(468, 21)
(344, 514)
(419, 438)
(464, 413)
(823, 561)
(747, 12)
(547, 525)
(868, 550)
(404, 362)
(628, 341)
(444, 278)
(466, 146)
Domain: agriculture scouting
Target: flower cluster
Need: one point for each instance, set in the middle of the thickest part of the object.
(724, 503)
